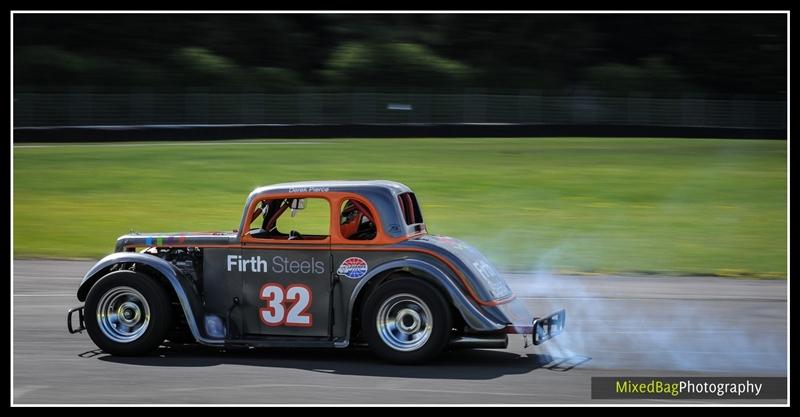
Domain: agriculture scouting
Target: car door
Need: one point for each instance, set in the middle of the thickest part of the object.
(285, 271)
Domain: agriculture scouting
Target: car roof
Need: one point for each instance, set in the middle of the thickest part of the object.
(381, 193)
(358, 187)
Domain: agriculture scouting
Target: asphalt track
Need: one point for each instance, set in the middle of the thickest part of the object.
(616, 326)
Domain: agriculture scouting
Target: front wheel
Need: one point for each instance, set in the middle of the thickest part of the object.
(406, 320)
(127, 313)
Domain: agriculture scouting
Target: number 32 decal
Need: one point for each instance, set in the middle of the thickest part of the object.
(285, 306)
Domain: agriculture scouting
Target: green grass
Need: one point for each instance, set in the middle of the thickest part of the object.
(671, 206)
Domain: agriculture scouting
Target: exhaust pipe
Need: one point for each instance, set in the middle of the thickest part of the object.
(491, 341)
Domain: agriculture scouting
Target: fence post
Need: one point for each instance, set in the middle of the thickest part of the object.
(464, 106)
(353, 106)
(702, 119)
(429, 107)
(298, 98)
(628, 108)
(188, 104)
(74, 102)
(242, 105)
(684, 109)
(748, 112)
(131, 108)
(482, 108)
(410, 113)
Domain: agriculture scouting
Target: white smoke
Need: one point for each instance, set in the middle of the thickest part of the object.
(613, 324)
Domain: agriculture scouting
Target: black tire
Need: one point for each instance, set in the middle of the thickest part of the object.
(157, 301)
(396, 290)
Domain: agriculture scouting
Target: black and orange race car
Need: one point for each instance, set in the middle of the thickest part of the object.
(313, 264)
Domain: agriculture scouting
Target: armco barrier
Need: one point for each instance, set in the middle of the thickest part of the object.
(211, 132)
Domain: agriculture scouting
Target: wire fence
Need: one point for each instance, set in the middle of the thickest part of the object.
(193, 108)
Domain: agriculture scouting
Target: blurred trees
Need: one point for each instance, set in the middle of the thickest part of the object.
(652, 74)
(657, 54)
(399, 64)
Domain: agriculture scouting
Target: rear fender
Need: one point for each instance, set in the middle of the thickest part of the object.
(474, 318)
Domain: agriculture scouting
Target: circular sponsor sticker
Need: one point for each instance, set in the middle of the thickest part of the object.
(353, 268)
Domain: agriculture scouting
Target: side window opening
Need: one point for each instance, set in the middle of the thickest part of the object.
(410, 208)
(291, 219)
(356, 222)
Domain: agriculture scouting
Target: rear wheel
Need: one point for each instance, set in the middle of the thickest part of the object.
(127, 313)
(406, 321)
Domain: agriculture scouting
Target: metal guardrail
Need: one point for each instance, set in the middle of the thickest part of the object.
(124, 109)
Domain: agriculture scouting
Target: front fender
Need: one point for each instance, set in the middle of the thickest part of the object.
(472, 315)
(190, 301)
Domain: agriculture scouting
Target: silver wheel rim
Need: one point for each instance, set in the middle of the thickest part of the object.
(405, 322)
(123, 314)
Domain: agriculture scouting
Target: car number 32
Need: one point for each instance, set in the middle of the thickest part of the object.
(285, 306)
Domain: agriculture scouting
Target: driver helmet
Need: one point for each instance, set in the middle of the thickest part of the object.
(351, 219)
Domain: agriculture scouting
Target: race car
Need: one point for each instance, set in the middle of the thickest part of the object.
(312, 264)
